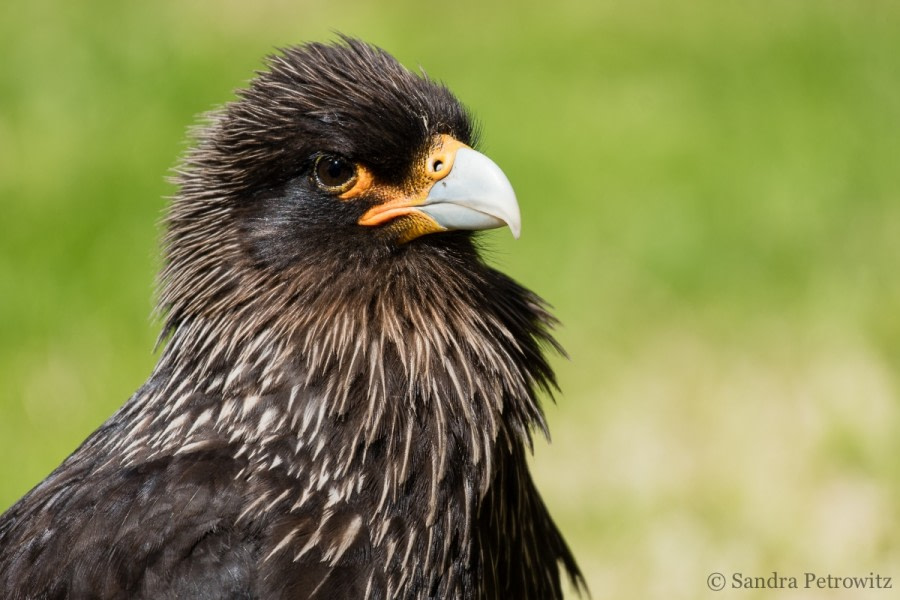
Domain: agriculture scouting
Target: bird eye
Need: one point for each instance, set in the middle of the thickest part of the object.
(334, 174)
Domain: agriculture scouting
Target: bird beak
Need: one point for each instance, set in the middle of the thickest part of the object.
(466, 191)
(474, 195)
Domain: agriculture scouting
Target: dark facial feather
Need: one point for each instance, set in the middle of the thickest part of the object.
(246, 202)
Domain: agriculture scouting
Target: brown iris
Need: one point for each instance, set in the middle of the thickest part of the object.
(334, 174)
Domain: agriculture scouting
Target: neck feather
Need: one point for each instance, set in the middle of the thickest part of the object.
(434, 333)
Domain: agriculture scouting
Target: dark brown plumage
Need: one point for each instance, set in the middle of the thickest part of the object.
(347, 391)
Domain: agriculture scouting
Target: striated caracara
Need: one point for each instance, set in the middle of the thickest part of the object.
(347, 392)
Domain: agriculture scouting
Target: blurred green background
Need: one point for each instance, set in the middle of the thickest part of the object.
(711, 201)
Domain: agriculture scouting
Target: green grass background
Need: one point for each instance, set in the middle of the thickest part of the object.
(711, 200)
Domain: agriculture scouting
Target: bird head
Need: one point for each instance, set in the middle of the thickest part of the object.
(334, 155)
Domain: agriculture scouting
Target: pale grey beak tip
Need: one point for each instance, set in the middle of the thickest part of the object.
(475, 195)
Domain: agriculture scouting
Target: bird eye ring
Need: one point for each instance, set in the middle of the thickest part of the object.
(334, 174)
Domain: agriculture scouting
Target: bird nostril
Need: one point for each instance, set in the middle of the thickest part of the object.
(437, 166)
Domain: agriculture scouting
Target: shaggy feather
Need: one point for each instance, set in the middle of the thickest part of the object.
(334, 414)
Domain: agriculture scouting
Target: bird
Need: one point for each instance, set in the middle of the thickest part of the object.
(346, 393)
